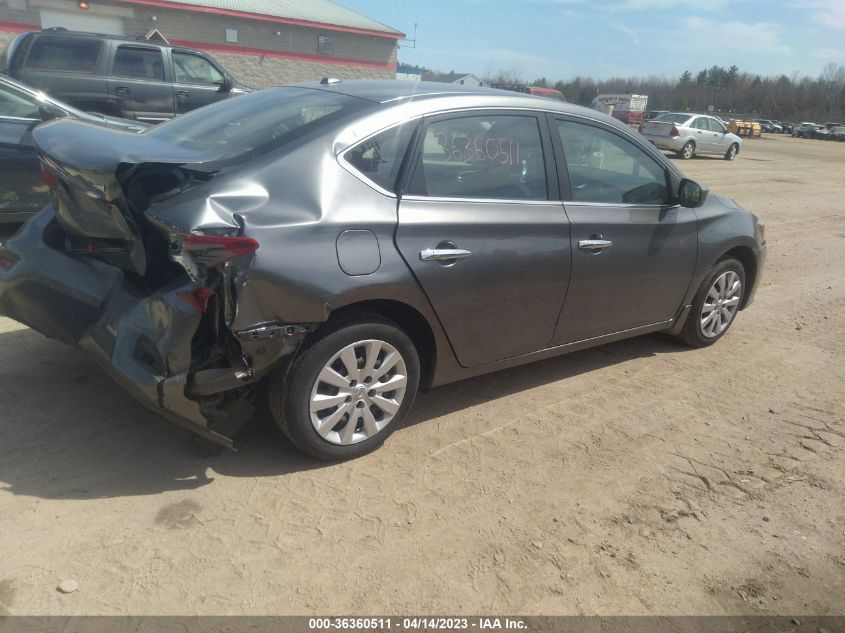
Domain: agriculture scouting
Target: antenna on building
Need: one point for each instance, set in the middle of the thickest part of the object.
(413, 41)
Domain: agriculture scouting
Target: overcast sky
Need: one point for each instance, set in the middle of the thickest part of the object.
(559, 39)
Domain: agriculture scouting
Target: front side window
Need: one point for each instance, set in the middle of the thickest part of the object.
(138, 63)
(17, 105)
(380, 157)
(76, 54)
(193, 69)
(498, 157)
(607, 168)
(715, 126)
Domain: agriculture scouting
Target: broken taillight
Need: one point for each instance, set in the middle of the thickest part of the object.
(219, 247)
(48, 177)
(198, 298)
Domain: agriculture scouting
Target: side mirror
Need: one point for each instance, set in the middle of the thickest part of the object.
(226, 86)
(48, 112)
(691, 194)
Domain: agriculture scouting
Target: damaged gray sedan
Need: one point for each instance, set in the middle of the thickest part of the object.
(347, 243)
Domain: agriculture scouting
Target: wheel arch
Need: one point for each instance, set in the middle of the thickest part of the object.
(406, 317)
(749, 262)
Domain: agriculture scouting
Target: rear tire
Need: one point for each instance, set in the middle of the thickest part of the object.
(716, 304)
(733, 150)
(365, 373)
(687, 151)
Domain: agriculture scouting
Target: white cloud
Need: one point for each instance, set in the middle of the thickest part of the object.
(709, 5)
(707, 37)
(830, 13)
(830, 54)
(627, 30)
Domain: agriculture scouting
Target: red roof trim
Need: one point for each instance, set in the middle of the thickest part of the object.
(263, 52)
(266, 18)
(19, 28)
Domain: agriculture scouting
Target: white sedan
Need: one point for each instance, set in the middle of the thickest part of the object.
(690, 134)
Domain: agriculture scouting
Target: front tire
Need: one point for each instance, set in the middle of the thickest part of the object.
(715, 304)
(687, 151)
(733, 150)
(349, 390)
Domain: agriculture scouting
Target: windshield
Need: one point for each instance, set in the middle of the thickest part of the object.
(256, 122)
(672, 117)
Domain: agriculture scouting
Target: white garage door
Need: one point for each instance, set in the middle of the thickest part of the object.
(82, 21)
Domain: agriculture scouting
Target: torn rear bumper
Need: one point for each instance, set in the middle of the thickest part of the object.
(144, 341)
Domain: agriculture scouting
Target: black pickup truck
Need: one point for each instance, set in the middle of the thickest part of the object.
(118, 76)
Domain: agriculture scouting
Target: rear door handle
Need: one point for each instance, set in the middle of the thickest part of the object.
(122, 90)
(594, 246)
(443, 254)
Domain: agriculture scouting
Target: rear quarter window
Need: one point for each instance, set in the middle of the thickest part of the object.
(379, 158)
(67, 54)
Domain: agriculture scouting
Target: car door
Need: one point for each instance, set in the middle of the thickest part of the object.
(139, 81)
(22, 191)
(718, 133)
(702, 135)
(197, 81)
(483, 230)
(633, 248)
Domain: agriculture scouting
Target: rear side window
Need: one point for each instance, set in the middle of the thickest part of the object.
(607, 168)
(138, 63)
(72, 54)
(380, 157)
(496, 157)
(257, 122)
(671, 117)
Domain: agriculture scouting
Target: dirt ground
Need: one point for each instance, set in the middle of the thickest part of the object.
(636, 478)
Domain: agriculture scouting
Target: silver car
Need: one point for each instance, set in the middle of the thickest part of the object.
(690, 134)
(346, 243)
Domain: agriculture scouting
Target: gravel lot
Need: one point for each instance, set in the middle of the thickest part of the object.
(636, 478)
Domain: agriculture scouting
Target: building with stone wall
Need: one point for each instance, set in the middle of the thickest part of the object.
(262, 42)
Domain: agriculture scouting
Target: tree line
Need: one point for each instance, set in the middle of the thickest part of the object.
(728, 90)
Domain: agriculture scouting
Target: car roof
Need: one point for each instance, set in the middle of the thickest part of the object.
(50, 32)
(395, 91)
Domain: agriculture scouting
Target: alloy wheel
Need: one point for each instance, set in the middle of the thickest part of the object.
(358, 392)
(721, 304)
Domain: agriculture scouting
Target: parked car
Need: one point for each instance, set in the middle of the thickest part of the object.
(787, 127)
(22, 191)
(821, 132)
(653, 114)
(837, 133)
(770, 127)
(690, 134)
(805, 129)
(537, 91)
(347, 243)
(118, 76)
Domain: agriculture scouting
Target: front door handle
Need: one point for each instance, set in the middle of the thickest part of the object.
(443, 254)
(122, 90)
(181, 94)
(594, 246)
